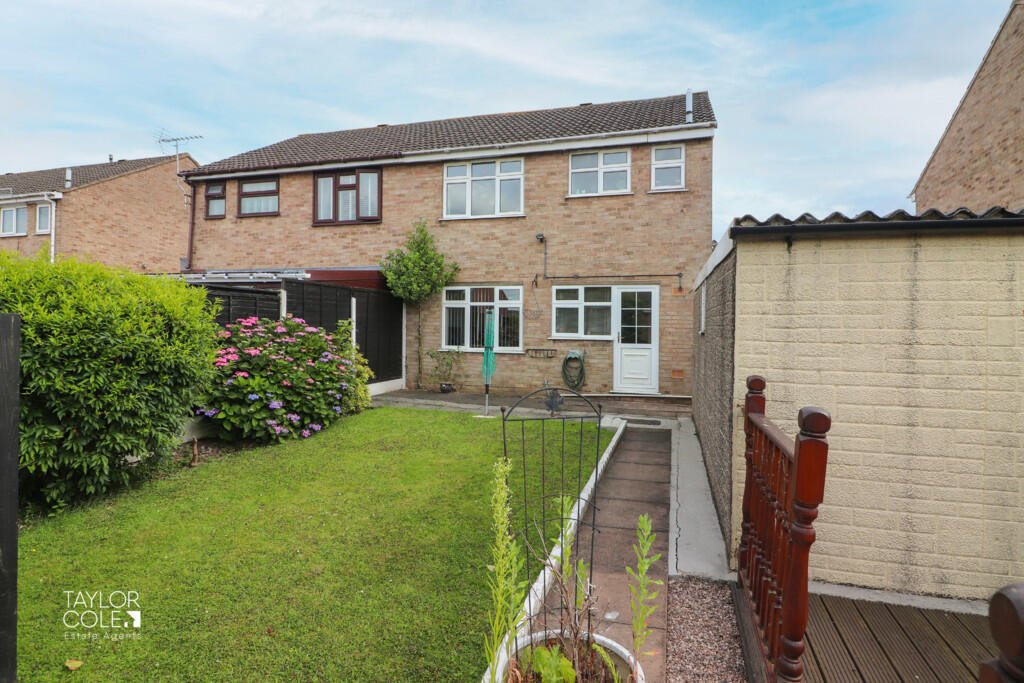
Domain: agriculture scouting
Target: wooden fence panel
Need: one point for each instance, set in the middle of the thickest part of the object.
(10, 342)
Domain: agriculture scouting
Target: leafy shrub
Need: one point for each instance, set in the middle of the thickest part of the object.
(284, 379)
(111, 364)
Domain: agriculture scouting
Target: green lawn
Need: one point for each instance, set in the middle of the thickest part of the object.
(357, 555)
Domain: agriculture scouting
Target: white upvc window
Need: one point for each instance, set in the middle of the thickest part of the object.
(14, 221)
(668, 168)
(462, 322)
(599, 172)
(483, 189)
(42, 219)
(581, 312)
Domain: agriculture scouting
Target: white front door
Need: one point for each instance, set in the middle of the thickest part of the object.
(635, 330)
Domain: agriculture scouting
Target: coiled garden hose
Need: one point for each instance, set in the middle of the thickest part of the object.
(574, 373)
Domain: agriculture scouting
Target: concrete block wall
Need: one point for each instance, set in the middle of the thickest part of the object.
(713, 385)
(642, 232)
(979, 162)
(916, 347)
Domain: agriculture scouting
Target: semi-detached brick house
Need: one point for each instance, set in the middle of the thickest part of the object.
(578, 226)
(130, 213)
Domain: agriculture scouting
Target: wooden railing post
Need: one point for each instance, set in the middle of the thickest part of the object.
(752, 405)
(807, 489)
(1006, 620)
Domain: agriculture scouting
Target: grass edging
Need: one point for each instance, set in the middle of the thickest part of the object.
(539, 590)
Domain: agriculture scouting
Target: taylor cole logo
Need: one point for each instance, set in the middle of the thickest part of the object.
(88, 613)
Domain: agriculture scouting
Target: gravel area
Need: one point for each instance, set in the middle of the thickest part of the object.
(703, 639)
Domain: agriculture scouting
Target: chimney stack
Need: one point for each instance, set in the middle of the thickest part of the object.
(67, 178)
(689, 106)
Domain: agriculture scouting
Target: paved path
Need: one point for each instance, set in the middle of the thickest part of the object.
(636, 482)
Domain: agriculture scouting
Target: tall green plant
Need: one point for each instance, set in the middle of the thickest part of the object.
(416, 273)
(641, 595)
(111, 364)
(508, 588)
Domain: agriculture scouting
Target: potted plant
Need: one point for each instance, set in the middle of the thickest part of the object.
(569, 653)
(446, 367)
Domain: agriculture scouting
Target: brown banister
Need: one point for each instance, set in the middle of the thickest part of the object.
(1006, 620)
(783, 486)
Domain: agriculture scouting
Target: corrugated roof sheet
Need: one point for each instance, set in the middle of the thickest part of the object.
(748, 224)
(384, 142)
(52, 179)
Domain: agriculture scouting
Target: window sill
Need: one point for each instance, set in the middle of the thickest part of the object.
(258, 215)
(585, 339)
(668, 189)
(482, 218)
(513, 352)
(335, 224)
(44, 232)
(16, 234)
(215, 218)
(599, 194)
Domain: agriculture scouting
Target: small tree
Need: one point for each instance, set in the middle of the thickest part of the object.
(416, 273)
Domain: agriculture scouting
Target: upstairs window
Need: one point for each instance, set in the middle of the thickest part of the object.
(216, 204)
(258, 197)
(350, 196)
(42, 219)
(582, 312)
(465, 309)
(483, 189)
(594, 173)
(668, 168)
(14, 221)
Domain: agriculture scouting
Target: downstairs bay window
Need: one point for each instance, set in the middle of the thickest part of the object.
(464, 314)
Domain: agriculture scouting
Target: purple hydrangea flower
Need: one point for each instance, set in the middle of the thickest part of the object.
(315, 427)
(275, 405)
(211, 412)
(306, 433)
(294, 418)
(253, 397)
(337, 409)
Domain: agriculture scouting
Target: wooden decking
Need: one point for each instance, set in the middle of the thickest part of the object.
(855, 640)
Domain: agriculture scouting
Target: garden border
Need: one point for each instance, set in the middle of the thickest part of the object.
(539, 590)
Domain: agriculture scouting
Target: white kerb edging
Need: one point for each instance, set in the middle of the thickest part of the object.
(540, 587)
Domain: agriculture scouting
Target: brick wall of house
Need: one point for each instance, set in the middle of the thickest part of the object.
(916, 346)
(979, 163)
(137, 220)
(712, 377)
(639, 233)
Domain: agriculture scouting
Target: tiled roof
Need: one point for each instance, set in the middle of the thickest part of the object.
(869, 221)
(384, 142)
(52, 179)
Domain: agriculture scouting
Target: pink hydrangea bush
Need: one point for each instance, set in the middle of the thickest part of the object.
(284, 379)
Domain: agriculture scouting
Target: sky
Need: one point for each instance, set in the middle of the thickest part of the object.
(821, 106)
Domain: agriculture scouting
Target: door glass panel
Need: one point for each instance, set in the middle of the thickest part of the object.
(629, 299)
(643, 335)
(567, 320)
(643, 318)
(628, 335)
(643, 300)
(628, 316)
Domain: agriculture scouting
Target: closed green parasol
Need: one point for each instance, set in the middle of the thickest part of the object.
(490, 363)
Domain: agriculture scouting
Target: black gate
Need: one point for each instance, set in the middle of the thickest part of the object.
(378, 315)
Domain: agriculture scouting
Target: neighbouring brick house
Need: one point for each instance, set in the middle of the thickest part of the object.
(979, 160)
(578, 226)
(908, 329)
(131, 213)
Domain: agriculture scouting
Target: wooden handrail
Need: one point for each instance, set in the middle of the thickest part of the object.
(1006, 621)
(783, 486)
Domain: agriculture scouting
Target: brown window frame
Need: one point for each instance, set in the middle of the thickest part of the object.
(216, 195)
(262, 193)
(337, 186)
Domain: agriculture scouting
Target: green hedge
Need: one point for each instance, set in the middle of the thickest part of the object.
(111, 364)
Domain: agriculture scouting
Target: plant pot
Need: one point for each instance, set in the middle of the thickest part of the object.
(618, 653)
(446, 387)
